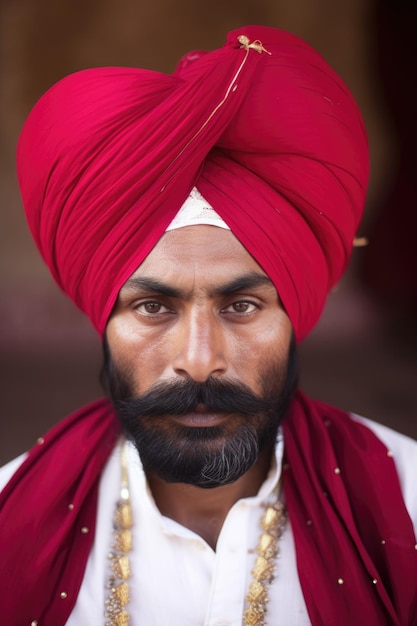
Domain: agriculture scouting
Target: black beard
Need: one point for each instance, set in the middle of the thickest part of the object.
(202, 456)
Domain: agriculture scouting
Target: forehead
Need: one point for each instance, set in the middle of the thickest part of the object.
(201, 251)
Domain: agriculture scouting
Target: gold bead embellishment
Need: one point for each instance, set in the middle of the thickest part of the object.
(340, 581)
(374, 581)
(123, 517)
(63, 595)
(337, 470)
(390, 453)
(71, 507)
(118, 587)
(255, 45)
(40, 441)
(263, 573)
(123, 541)
(34, 623)
(122, 619)
(85, 530)
(121, 567)
(360, 242)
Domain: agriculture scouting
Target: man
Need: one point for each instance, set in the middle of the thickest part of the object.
(199, 220)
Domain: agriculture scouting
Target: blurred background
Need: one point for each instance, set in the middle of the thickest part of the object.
(363, 354)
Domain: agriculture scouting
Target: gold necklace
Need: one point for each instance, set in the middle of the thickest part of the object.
(118, 586)
(263, 573)
(118, 593)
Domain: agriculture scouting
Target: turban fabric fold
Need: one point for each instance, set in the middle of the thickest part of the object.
(268, 133)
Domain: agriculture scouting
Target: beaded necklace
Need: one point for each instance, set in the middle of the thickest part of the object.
(118, 591)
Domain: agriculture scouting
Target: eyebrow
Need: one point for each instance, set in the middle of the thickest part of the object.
(250, 280)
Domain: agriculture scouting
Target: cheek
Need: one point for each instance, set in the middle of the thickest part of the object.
(143, 355)
(254, 350)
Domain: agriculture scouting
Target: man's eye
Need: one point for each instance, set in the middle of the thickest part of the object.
(243, 306)
(150, 307)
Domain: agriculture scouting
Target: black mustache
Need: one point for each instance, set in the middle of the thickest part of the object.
(182, 397)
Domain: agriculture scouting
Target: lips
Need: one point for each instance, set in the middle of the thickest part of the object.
(200, 417)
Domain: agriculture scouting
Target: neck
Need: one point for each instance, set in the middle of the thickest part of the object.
(204, 510)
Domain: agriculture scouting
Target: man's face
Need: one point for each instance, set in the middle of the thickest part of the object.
(198, 348)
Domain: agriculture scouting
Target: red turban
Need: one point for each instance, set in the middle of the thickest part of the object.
(268, 133)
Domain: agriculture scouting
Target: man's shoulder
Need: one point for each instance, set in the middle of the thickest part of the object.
(401, 448)
(7, 471)
(404, 453)
(394, 440)
(93, 426)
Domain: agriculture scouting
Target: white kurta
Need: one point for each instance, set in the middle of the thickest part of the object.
(177, 579)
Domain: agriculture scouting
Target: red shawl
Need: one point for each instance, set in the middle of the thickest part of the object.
(339, 520)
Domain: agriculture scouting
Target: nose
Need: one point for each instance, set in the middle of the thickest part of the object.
(200, 347)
